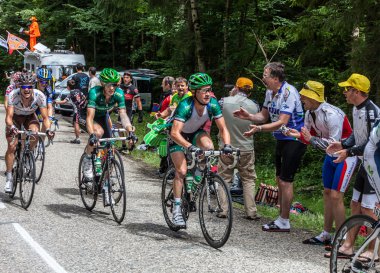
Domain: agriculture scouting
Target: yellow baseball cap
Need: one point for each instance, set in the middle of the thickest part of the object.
(244, 83)
(313, 90)
(357, 81)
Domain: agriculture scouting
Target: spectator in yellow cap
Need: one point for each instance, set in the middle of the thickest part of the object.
(236, 127)
(365, 113)
(325, 123)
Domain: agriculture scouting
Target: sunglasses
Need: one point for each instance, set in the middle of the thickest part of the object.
(26, 87)
(43, 82)
(348, 88)
(205, 90)
(305, 86)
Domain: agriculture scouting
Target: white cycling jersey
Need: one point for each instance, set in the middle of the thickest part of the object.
(38, 101)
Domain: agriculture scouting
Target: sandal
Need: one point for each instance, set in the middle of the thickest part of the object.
(272, 227)
(341, 255)
(316, 241)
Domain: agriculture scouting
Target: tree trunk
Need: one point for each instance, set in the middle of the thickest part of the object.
(113, 48)
(225, 38)
(197, 36)
(94, 36)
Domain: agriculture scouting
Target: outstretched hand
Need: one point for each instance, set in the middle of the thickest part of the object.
(293, 133)
(241, 113)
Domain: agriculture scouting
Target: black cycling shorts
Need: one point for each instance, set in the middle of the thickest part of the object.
(289, 154)
(362, 184)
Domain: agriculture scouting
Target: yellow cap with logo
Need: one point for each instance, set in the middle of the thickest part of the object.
(313, 90)
(358, 82)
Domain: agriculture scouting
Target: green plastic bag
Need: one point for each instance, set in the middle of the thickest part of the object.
(156, 134)
(163, 148)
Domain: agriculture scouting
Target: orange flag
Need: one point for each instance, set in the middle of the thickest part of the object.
(15, 43)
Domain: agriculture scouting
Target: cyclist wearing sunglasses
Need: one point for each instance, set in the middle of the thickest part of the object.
(44, 77)
(325, 123)
(22, 105)
(101, 100)
(187, 133)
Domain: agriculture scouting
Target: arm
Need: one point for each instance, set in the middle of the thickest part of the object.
(45, 118)
(260, 117)
(176, 134)
(6, 102)
(283, 119)
(125, 122)
(139, 104)
(90, 120)
(225, 135)
(164, 114)
(9, 116)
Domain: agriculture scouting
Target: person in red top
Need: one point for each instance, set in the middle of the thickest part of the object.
(34, 32)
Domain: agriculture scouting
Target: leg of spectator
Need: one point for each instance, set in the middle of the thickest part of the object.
(328, 210)
(339, 211)
(227, 175)
(248, 176)
(286, 198)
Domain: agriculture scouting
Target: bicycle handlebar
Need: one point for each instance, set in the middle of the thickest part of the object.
(27, 132)
(208, 153)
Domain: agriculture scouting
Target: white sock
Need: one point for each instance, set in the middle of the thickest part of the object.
(9, 175)
(177, 205)
(323, 236)
(282, 223)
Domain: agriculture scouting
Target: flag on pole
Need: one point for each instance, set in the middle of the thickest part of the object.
(15, 43)
(3, 43)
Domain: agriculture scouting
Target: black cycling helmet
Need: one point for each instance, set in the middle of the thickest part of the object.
(26, 78)
(109, 75)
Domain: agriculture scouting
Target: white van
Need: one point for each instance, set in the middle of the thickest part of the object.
(61, 62)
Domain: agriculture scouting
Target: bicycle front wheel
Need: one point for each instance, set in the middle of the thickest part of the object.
(16, 177)
(119, 159)
(88, 189)
(117, 191)
(27, 179)
(362, 227)
(39, 158)
(215, 211)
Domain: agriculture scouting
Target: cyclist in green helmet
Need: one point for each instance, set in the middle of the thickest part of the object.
(187, 133)
(101, 100)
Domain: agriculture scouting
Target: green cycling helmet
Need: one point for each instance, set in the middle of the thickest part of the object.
(198, 80)
(109, 75)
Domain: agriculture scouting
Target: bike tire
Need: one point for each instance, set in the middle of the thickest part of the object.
(216, 230)
(353, 224)
(88, 194)
(39, 158)
(119, 158)
(16, 175)
(167, 198)
(27, 179)
(117, 192)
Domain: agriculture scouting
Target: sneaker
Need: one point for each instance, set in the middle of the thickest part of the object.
(87, 169)
(8, 186)
(106, 199)
(75, 141)
(178, 220)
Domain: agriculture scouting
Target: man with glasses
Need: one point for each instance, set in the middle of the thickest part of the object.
(283, 106)
(43, 79)
(101, 100)
(365, 113)
(22, 105)
(325, 123)
(187, 133)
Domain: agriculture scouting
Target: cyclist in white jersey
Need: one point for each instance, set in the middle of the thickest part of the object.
(325, 123)
(22, 105)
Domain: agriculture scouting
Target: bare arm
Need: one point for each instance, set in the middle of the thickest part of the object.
(176, 134)
(90, 120)
(138, 102)
(260, 117)
(45, 118)
(6, 102)
(125, 122)
(9, 116)
(225, 135)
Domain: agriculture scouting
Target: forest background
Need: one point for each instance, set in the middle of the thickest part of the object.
(317, 40)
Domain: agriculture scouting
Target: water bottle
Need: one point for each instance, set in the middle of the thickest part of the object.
(197, 177)
(189, 181)
(98, 166)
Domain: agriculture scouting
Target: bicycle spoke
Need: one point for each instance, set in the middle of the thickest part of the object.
(27, 179)
(117, 192)
(88, 190)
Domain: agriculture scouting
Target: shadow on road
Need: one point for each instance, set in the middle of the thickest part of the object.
(68, 192)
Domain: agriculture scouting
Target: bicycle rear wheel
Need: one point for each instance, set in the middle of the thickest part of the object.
(16, 178)
(362, 226)
(167, 198)
(39, 158)
(27, 179)
(215, 211)
(88, 189)
(117, 191)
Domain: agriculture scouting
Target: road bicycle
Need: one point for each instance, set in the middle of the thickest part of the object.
(215, 203)
(110, 183)
(24, 169)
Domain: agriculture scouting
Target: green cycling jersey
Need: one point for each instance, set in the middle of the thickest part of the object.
(185, 109)
(97, 100)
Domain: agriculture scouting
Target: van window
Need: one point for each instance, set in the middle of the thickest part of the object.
(143, 86)
(32, 67)
(27, 66)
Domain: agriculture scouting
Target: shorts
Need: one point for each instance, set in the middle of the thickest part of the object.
(21, 120)
(363, 191)
(103, 121)
(80, 118)
(192, 138)
(289, 154)
(336, 176)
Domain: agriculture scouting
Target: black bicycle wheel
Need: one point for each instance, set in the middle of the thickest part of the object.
(27, 179)
(39, 158)
(88, 189)
(167, 198)
(16, 178)
(215, 211)
(116, 188)
(362, 226)
(119, 159)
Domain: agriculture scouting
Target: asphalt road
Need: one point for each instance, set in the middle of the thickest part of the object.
(57, 234)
